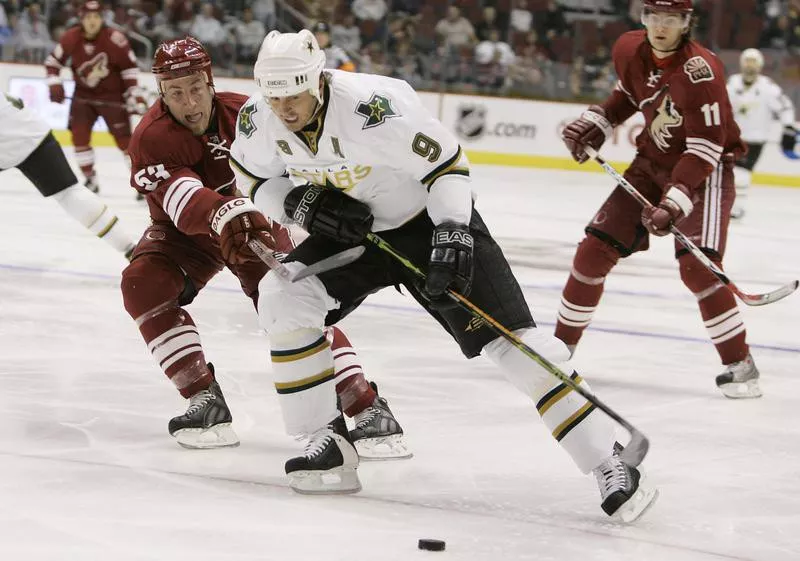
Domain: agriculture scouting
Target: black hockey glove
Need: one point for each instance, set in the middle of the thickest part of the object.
(450, 265)
(789, 139)
(329, 212)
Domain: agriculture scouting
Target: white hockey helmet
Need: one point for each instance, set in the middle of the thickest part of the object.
(752, 60)
(288, 64)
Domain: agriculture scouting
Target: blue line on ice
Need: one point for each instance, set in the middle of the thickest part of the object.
(416, 309)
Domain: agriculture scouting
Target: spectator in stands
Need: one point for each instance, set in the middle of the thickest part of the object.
(374, 10)
(777, 34)
(455, 31)
(249, 33)
(264, 11)
(206, 28)
(405, 64)
(32, 37)
(552, 22)
(335, 56)
(521, 17)
(487, 23)
(346, 34)
(493, 57)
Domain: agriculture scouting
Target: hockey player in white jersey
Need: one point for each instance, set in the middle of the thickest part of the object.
(757, 102)
(343, 154)
(27, 143)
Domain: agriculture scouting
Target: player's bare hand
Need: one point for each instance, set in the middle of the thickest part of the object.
(673, 208)
(237, 221)
(591, 129)
(57, 93)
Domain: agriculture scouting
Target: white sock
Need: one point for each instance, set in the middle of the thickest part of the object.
(585, 433)
(90, 210)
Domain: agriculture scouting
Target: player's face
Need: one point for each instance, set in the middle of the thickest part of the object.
(750, 69)
(294, 111)
(189, 100)
(664, 29)
(91, 23)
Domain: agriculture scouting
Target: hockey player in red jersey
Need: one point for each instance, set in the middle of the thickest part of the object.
(104, 68)
(684, 166)
(201, 224)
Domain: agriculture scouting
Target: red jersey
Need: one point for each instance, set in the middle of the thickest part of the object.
(689, 125)
(184, 176)
(103, 67)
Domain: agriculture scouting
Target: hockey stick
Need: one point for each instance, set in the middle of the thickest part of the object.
(637, 448)
(333, 262)
(749, 299)
(99, 102)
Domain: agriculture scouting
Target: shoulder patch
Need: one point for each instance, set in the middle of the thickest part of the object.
(245, 124)
(118, 38)
(698, 70)
(376, 110)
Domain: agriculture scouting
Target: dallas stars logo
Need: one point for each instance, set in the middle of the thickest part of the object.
(246, 125)
(376, 111)
(310, 46)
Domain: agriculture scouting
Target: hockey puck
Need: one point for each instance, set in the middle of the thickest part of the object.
(431, 545)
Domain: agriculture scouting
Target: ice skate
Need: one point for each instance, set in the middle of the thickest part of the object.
(623, 489)
(207, 421)
(328, 463)
(377, 434)
(740, 380)
(92, 184)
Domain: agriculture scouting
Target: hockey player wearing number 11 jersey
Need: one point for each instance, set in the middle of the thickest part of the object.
(684, 167)
(345, 154)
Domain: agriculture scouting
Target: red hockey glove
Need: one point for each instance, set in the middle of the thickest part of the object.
(673, 208)
(57, 93)
(237, 221)
(135, 101)
(591, 129)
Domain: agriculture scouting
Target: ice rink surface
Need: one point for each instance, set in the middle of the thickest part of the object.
(88, 471)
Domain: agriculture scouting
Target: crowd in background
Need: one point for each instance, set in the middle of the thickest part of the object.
(544, 48)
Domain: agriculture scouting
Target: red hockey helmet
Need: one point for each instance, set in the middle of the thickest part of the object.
(682, 6)
(90, 6)
(179, 58)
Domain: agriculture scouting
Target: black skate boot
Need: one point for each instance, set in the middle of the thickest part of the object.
(377, 434)
(623, 489)
(328, 463)
(740, 380)
(207, 421)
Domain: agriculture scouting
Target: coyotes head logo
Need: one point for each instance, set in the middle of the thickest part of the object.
(666, 118)
(94, 70)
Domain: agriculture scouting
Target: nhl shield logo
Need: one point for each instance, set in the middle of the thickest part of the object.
(471, 121)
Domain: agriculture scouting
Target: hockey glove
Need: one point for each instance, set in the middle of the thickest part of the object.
(320, 210)
(789, 139)
(57, 93)
(237, 221)
(591, 129)
(450, 265)
(135, 101)
(673, 208)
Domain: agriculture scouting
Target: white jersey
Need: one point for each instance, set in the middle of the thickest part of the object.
(21, 132)
(376, 142)
(757, 106)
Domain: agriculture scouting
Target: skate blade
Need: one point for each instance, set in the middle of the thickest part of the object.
(741, 390)
(392, 447)
(218, 436)
(336, 481)
(637, 505)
